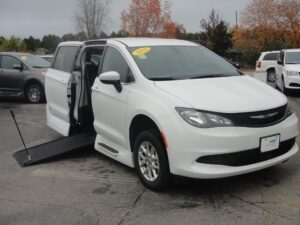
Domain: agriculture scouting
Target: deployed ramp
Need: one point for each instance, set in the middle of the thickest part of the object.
(39, 153)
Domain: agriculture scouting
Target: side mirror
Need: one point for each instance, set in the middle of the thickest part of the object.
(279, 62)
(112, 78)
(18, 67)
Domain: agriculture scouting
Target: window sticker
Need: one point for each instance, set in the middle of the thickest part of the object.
(24, 57)
(141, 51)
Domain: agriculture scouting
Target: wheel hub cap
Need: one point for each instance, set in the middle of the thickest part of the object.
(34, 94)
(148, 161)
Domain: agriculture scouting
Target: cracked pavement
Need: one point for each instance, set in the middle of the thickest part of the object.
(85, 187)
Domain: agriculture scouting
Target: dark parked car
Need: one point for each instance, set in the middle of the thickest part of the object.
(22, 75)
(235, 64)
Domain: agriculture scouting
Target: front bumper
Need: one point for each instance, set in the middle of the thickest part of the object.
(186, 144)
(292, 82)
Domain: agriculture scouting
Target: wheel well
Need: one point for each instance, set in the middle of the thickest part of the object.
(270, 70)
(138, 124)
(31, 82)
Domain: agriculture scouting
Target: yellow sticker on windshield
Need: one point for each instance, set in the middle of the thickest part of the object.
(24, 57)
(141, 51)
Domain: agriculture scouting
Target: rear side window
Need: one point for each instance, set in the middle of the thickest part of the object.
(271, 57)
(65, 57)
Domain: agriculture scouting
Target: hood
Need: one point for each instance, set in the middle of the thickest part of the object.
(226, 94)
(293, 67)
(39, 71)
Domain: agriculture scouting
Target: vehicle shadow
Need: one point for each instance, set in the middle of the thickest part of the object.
(188, 187)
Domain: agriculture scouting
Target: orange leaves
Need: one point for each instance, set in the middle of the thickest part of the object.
(147, 18)
(269, 25)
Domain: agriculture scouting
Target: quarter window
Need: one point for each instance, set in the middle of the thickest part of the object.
(65, 57)
(114, 61)
(271, 57)
(8, 62)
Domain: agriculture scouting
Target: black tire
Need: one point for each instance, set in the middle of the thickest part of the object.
(271, 76)
(163, 179)
(35, 94)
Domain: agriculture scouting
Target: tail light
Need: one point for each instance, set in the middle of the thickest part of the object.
(258, 64)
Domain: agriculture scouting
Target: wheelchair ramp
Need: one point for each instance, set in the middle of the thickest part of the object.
(54, 148)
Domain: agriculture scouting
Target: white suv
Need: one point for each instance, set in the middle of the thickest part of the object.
(288, 70)
(168, 107)
(267, 63)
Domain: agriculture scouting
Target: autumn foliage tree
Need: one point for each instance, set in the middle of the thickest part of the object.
(268, 25)
(148, 18)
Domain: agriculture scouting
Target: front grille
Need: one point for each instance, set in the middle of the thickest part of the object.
(247, 157)
(259, 118)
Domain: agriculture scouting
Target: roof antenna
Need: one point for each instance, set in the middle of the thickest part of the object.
(28, 156)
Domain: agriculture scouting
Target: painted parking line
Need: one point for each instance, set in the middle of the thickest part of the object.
(63, 174)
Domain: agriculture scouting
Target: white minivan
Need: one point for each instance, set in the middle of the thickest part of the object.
(168, 107)
(288, 70)
(267, 63)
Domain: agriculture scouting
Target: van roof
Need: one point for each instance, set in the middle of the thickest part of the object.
(138, 42)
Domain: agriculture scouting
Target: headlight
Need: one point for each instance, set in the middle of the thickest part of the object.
(292, 73)
(289, 111)
(203, 119)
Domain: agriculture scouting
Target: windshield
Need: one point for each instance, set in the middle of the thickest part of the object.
(292, 58)
(180, 62)
(35, 61)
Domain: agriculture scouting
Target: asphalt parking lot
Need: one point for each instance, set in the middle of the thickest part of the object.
(85, 187)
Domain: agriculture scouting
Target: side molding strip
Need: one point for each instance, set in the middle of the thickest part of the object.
(112, 150)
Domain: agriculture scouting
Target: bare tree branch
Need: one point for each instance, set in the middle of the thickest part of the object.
(92, 17)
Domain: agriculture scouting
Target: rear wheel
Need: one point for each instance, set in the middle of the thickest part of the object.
(151, 160)
(35, 93)
(271, 76)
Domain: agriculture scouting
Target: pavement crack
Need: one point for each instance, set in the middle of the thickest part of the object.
(131, 207)
(256, 204)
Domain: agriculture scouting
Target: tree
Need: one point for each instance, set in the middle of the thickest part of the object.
(50, 42)
(267, 25)
(118, 34)
(274, 23)
(92, 16)
(169, 30)
(32, 43)
(216, 35)
(2, 39)
(146, 18)
(69, 37)
(13, 44)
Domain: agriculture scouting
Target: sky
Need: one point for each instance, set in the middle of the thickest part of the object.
(23, 18)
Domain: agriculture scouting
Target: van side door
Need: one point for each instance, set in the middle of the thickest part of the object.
(58, 89)
(109, 107)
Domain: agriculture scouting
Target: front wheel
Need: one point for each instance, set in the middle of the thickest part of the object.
(271, 76)
(35, 94)
(151, 161)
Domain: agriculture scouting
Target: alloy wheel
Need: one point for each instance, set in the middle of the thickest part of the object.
(34, 94)
(148, 161)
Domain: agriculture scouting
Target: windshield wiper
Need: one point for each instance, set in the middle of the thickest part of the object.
(160, 78)
(39, 67)
(209, 76)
